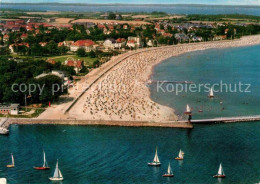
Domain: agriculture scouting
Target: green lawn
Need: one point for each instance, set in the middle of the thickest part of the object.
(87, 60)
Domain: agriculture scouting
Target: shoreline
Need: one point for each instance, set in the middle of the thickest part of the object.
(133, 71)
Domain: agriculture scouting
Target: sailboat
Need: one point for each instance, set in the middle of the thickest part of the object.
(45, 164)
(211, 94)
(156, 161)
(169, 172)
(57, 176)
(3, 181)
(221, 173)
(188, 110)
(180, 156)
(11, 165)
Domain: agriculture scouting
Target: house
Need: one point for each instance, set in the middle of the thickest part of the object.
(125, 26)
(112, 44)
(43, 44)
(12, 109)
(181, 37)
(86, 44)
(6, 38)
(12, 46)
(51, 19)
(51, 61)
(134, 42)
(220, 37)
(120, 43)
(65, 43)
(77, 64)
(167, 35)
(109, 43)
(24, 36)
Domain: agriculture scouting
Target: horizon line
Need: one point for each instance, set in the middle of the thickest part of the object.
(137, 4)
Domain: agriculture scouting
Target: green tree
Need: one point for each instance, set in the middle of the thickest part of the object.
(81, 52)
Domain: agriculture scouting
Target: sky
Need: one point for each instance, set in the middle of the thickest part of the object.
(217, 2)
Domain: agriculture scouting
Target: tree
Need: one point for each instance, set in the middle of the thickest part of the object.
(52, 48)
(81, 52)
(92, 54)
(36, 50)
(111, 16)
(63, 50)
(96, 63)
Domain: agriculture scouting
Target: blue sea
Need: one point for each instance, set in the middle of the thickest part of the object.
(227, 67)
(173, 9)
(116, 155)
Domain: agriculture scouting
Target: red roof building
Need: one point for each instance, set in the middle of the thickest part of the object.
(24, 36)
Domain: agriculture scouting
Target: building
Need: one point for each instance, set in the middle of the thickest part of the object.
(86, 44)
(24, 36)
(12, 109)
(12, 46)
(111, 44)
(77, 64)
(134, 42)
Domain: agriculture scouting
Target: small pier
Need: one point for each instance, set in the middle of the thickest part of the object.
(226, 119)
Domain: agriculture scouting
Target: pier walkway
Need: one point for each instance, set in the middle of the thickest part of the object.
(227, 119)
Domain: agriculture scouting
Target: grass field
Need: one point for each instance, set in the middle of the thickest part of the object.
(88, 61)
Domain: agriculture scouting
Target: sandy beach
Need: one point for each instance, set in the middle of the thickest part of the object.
(121, 93)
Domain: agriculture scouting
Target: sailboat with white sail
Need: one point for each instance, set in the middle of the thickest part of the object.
(169, 172)
(180, 156)
(211, 93)
(45, 164)
(11, 165)
(156, 161)
(221, 173)
(57, 176)
(188, 110)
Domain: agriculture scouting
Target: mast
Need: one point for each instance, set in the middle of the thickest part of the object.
(12, 159)
(169, 169)
(45, 164)
(156, 159)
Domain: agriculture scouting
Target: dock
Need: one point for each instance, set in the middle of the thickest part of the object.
(75, 122)
(226, 119)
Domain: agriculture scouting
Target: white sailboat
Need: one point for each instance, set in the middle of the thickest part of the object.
(45, 164)
(211, 94)
(156, 161)
(57, 176)
(221, 173)
(3, 181)
(180, 156)
(169, 172)
(188, 110)
(11, 165)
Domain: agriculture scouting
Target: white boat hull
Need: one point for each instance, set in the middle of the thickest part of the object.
(154, 164)
(3, 181)
(56, 179)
